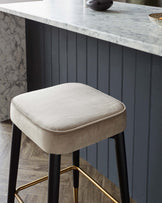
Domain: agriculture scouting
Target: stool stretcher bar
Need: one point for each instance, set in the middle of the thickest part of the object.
(61, 172)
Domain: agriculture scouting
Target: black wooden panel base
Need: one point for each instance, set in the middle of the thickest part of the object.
(56, 55)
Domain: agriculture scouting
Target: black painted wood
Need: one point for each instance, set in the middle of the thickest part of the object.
(81, 69)
(47, 43)
(141, 126)
(129, 77)
(122, 167)
(76, 156)
(63, 55)
(154, 181)
(103, 85)
(54, 178)
(92, 74)
(55, 56)
(81, 55)
(14, 162)
(127, 74)
(116, 60)
(71, 53)
(35, 55)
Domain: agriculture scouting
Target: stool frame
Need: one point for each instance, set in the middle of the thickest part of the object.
(54, 172)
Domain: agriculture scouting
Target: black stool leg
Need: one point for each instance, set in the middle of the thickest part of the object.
(122, 167)
(76, 175)
(54, 178)
(14, 161)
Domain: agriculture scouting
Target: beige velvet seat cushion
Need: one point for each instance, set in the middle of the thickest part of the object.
(67, 117)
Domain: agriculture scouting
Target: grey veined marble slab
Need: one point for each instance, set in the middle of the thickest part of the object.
(15, 1)
(124, 24)
(12, 61)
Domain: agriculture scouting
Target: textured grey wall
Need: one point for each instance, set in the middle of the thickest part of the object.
(56, 56)
(12, 60)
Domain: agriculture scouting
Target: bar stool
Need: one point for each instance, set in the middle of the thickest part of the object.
(63, 119)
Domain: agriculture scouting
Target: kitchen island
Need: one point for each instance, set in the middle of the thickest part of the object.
(118, 51)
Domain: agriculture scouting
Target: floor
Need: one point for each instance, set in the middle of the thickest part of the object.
(34, 164)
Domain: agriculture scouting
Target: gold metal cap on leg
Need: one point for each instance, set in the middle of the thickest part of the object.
(75, 191)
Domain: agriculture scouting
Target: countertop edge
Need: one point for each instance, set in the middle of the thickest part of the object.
(117, 39)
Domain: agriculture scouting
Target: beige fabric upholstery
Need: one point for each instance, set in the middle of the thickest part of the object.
(67, 117)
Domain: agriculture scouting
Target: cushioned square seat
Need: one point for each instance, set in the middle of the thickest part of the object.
(67, 117)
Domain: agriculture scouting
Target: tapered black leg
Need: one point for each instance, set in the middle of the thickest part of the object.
(54, 178)
(14, 161)
(76, 175)
(122, 167)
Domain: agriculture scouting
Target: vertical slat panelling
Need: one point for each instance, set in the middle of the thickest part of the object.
(47, 55)
(92, 81)
(115, 90)
(103, 77)
(81, 68)
(129, 73)
(142, 108)
(71, 57)
(35, 50)
(155, 152)
(55, 56)
(41, 55)
(29, 54)
(63, 55)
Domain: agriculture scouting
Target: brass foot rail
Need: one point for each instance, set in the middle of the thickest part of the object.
(61, 172)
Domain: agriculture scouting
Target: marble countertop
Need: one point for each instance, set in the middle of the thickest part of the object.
(123, 24)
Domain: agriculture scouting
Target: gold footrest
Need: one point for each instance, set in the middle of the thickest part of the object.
(61, 172)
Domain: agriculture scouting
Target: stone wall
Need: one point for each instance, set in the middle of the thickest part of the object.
(12, 61)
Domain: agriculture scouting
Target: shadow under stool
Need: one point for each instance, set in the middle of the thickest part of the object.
(63, 119)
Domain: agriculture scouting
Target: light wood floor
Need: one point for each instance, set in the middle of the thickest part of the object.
(34, 164)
